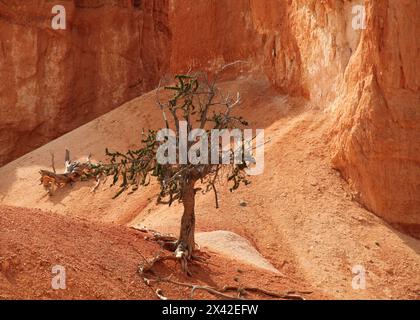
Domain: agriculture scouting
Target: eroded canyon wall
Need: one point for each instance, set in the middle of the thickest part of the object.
(376, 139)
(52, 81)
(367, 81)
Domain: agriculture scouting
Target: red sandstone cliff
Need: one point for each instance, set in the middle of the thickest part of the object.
(376, 138)
(367, 80)
(54, 81)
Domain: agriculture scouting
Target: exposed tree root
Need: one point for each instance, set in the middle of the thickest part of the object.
(149, 264)
(160, 294)
(166, 241)
(289, 295)
(242, 292)
(172, 244)
(183, 255)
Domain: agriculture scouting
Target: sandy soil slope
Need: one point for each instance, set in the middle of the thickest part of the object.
(299, 214)
(101, 262)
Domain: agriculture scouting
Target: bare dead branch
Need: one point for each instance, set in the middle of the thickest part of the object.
(52, 162)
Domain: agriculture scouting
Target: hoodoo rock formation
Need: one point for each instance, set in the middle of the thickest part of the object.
(367, 80)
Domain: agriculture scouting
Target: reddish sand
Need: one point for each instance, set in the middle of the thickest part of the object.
(101, 262)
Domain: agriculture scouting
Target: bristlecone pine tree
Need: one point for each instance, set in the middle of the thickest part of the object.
(199, 103)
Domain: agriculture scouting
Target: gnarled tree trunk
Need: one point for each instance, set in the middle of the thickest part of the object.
(186, 242)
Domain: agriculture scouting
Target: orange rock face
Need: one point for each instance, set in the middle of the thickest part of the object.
(52, 81)
(376, 138)
(367, 80)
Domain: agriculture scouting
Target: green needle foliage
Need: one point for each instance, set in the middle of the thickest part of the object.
(194, 100)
